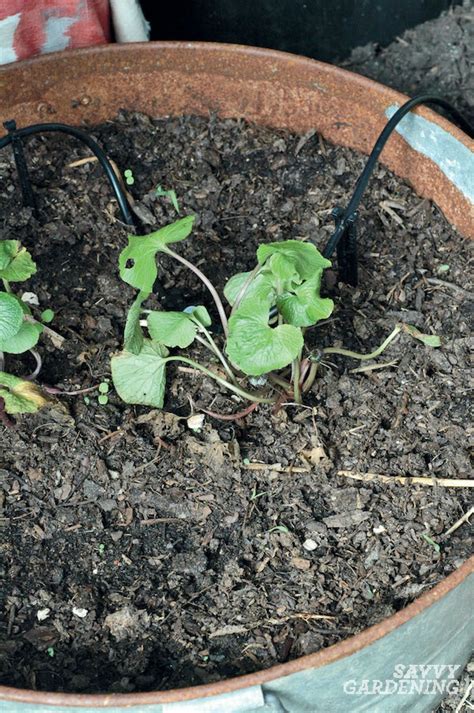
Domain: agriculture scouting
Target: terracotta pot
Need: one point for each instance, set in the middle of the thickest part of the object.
(281, 91)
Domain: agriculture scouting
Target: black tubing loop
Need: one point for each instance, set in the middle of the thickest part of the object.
(362, 181)
(94, 147)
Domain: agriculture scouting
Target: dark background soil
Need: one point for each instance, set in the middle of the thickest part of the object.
(99, 516)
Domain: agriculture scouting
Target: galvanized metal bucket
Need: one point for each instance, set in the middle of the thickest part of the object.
(411, 660)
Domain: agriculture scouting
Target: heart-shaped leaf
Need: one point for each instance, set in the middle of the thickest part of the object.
(21, 396)
(16, 263)
(26, 338)
(259, 288)
(256, 348)
(137, 262)
(140, 378)
(303, 307)
(305, 256)
(11, 315)
(173, 329)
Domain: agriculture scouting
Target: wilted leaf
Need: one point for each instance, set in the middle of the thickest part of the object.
(21, 396)
(431, 340)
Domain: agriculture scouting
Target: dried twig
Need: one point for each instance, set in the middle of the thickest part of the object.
(409, 480)
(459, 522)
(275, 466)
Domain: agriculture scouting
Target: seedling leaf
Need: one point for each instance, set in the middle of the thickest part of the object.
(140, 378)
(47, 316)
(11, 315)
(16, 263)
(137, 262)
(254, 346)
(173, 329)
(26, 338)
(133, 335)
(305, 256)
(431, 340)
(200, 314)
(20, 396)
(303, 307)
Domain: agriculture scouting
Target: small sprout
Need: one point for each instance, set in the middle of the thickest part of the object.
(246, 461)
(103, 399)
(101, 548)
(442, 268)
(129, 179)
(160, 192)
(431, 340)
(279, 528)
(104, 387)
(255, 495)
(87, 400)
(431, 542)
(50, 651)
(47, 316)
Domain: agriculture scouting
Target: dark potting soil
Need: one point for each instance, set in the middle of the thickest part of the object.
(138, 554)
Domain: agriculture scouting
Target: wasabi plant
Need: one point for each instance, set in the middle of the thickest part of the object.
(262, 339)
(19, 331)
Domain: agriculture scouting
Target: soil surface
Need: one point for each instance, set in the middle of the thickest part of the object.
(138, 554)
(436, 57)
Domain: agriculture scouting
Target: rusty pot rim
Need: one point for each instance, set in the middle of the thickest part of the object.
(332, 653)
(321, 658)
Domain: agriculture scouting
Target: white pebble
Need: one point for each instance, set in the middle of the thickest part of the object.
(378, 530)
(310, 545)
(43, 614)
(81, 613)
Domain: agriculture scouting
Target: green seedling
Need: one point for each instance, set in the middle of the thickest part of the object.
(47, 316)
(50, 651)
(160, 192)
(19, 331)
(129, 179)
(263, 339)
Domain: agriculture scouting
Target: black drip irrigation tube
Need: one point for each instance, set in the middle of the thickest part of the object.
(344, 238)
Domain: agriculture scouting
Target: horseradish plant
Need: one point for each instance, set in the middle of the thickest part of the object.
(19, 331)
(263, 338)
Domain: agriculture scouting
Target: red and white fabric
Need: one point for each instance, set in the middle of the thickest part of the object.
(31, 27)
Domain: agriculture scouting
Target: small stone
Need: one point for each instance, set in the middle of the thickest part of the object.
(43, 614)
(300, 563)
(79, 612)
(378, 530)
(195, 423)
(116, 535)
(310, 545)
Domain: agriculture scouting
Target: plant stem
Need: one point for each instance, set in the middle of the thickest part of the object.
(364, 357)
(232, 387)
(251, 277)
(296, 380)
(212, 346)
(208, 283)
(281, 382)
(310, 378)
(6, 285)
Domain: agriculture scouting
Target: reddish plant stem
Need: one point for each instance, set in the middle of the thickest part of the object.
(231, 416)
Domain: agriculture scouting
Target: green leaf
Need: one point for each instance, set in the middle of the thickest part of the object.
(133, 334)
(304, 307)
(26, 338)
(200, 314)
(11, 315)
(137, 262)
(173, 329)
(283, 269)
(16, 263)
(104, 387)
(431, 340)
(261, 287)
(305, 256)
(256, 348)
(20, 396)
(47, 316)
(140, 378)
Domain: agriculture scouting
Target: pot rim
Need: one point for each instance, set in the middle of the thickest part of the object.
(321, 658)
(354, 643)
